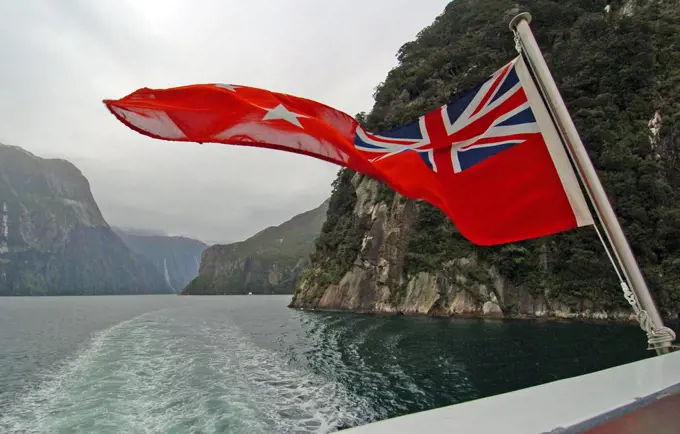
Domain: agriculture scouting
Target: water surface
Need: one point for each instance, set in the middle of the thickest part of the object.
(239, 364)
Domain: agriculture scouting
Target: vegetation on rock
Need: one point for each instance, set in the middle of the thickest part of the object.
(340, 239)
(619, 74)
(269, 262)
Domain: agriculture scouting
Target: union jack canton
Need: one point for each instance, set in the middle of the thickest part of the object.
(488, 119)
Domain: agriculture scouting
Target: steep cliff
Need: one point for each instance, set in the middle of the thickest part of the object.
(619, 75)
(176, 258)
(58, 243)
(269, 262)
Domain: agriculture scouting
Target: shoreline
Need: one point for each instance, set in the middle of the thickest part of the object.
(669, 321)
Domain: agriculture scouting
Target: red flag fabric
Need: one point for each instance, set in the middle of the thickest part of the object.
(491, 159)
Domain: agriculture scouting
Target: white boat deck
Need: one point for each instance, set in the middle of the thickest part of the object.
(639, 397)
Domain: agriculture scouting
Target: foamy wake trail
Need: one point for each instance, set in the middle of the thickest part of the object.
(153, 374)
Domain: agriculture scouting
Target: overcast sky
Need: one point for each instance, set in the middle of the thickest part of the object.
(60, 58)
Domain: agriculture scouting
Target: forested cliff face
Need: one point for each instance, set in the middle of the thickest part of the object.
(269, 262)
(619, 74)
(58, 243)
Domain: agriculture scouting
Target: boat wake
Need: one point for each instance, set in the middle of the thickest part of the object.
(155, 374)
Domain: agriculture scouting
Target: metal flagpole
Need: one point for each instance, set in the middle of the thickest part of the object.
(520, 26)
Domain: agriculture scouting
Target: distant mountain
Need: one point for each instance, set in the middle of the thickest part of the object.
(176, 258)
(138, 231)
(269, 262)
(57, 241)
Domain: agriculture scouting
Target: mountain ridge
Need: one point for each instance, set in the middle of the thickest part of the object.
(177, 258)
(268, 262)
(58, 241)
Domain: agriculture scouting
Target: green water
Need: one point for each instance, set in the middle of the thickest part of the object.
(167, 364)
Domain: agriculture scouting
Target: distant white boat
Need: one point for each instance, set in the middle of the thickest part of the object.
(250, 293)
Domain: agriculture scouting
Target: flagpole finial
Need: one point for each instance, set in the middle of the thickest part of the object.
(523, 16)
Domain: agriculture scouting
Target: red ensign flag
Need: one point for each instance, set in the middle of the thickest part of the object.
(491, 159)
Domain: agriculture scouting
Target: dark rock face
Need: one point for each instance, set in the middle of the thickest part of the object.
(58, 242)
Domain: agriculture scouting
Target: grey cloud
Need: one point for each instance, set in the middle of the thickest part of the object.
(61, 58)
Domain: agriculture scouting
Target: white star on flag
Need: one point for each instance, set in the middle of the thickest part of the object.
(281, 112)
(231, 87)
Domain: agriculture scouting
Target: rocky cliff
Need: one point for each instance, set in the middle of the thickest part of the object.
(176, 258)
(57, 241)
(618, 72)
(269, 262)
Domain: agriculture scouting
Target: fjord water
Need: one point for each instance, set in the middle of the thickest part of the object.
(239, 364)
